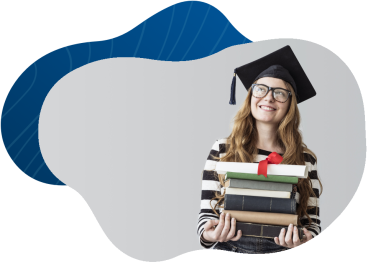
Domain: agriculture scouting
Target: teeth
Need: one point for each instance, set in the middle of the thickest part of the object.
(267, 108)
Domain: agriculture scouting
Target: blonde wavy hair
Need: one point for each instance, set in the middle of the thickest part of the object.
(241, 147)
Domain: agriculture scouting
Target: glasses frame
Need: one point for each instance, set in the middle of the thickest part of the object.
(273, 91)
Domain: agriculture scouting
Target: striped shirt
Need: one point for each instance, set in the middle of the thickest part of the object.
(210, 185)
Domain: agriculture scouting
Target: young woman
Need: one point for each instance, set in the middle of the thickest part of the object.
(268, 121)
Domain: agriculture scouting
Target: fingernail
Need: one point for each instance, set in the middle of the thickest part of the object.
(227, 214)
(283, 229)
(295, 228)
(290, 225)
(233, 219)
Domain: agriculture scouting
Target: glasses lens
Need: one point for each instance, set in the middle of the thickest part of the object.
(280, 95)
(260, 91)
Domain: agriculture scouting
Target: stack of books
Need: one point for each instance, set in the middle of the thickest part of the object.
(262, 206)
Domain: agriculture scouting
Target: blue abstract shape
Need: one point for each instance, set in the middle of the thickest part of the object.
(185, 31)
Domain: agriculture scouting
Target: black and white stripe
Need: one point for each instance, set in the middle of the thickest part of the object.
(210, 185)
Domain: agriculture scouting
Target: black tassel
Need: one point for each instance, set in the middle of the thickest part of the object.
(232, 93)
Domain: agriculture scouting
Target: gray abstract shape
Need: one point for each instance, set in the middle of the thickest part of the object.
(132, 136)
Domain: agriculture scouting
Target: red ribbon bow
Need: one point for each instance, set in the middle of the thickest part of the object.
(273, 158)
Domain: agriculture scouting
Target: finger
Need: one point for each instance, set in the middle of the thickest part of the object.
(232, 231)
(210, 224)
(282, 237)
(277, 241)
(238, 236)
(226, 229)
(288, 236)
(219, 227)
(307, 234)
(296, 240)
(209, 229)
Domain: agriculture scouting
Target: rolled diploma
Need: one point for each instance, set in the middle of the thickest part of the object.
(252, 168)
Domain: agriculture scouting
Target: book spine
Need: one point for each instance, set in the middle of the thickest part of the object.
(259, 204)
(270, 178)
(264, 218)
(260, 230)
(259, 193)
(259, 185)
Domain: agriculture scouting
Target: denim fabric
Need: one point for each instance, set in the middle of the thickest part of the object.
(251, 245)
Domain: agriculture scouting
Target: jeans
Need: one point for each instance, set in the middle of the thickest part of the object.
(251, 245)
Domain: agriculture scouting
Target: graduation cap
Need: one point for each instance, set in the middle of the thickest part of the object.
(281, 64)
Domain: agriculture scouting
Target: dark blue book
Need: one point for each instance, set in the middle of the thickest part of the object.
(259, 204)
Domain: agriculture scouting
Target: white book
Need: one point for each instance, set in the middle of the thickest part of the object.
(259, 193)
(272, 169)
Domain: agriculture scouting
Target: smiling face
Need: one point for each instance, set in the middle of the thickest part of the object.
(267, 109)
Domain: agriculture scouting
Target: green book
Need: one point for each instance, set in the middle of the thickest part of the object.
(270, 178)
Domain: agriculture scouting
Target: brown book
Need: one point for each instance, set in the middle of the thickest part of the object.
(264, 218)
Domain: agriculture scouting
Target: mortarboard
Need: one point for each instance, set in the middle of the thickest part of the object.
(281, 64)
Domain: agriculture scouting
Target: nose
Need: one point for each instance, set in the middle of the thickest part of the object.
(269, 97)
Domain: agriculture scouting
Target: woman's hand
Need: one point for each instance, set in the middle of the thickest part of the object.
(291, 239)
(224, 231)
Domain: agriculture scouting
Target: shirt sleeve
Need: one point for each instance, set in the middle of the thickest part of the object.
(210, 185)
(314, 212)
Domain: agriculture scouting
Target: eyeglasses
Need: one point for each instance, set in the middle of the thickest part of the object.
(279, 94)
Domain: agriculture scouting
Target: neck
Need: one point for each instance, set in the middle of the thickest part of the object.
(267, 137)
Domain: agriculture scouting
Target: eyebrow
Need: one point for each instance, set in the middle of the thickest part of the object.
(274, 87)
